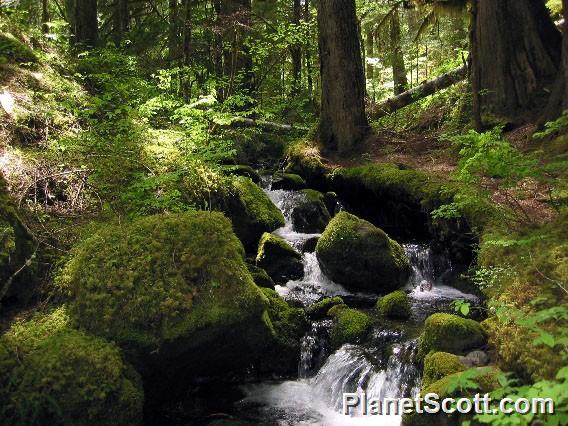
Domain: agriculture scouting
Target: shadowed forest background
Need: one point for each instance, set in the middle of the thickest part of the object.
(206, 203)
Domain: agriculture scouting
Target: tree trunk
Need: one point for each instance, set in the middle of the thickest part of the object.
(308, 19)
(369, 49)
(44, 16)
(83, 21)
(343, 123)
(296, 50)
(515, 55)
(398, 68)
(420, 92)
(173, 32)
(121, 20)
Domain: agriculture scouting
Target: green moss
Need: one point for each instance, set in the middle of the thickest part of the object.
(279, 259)
(394, 305)
(438, 365)
(449, 333)
(171, 285)
(59, 375)
(252, 212)
(241, 170)
(311, 214)
(14, 50)
(304, 159)
(357, 254)
(349, 326)
(320, 309)
(288, 181)
(334, 310)
(260, 276)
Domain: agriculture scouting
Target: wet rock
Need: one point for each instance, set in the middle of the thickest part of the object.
(319, 310)
(310, 245)
(395, 305)
(252, 213)
(349, 326)
(438, 365)
(279, 259)
(260, 276)
(311, 214)
(331, 202)
(360, 256)
(475, 359)
(288, 181)
(450, 333)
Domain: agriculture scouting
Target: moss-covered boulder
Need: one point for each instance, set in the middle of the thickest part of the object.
(290, 324)
(13, 50)
(172, 290)
(252, 212)
(450, 333)
(360, 256)
(438, 365)
(305, 160)
(311, 214)
(320, 309)
(395, 305)
(241, 170)
(288, 181)
(349, 326)
(260, 276)
(279, 259)
(53, 374)
(17, 248)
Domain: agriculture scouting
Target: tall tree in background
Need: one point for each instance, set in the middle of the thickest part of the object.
(296, 49)
(515, 51)
(343, 123)
(397, 56)
(83, 21)
(121, 20)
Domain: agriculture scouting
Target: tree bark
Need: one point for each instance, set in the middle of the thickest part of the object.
(369, 49)
(45, 16)
(307, 50)
(419, 92)
(173, 32)
(515, 55)
(343, 123)
(121, 20)
(83, 21)
(296, 50)
(397, 57)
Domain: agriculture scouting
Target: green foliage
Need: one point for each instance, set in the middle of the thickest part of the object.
(13, 50)
(462, 307)
(489, 155)
(553, 128)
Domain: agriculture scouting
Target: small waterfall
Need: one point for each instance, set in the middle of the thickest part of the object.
(313, 348)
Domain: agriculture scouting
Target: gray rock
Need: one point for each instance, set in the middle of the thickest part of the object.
(475, 359)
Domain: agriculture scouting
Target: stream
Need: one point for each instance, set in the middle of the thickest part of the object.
(382, 367)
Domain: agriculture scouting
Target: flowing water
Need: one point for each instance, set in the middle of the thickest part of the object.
(383, 367)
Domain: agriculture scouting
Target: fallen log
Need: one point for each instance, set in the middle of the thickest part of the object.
(419, 92)
(266, 125)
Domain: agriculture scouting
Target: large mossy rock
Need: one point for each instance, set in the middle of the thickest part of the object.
(290, 324)
(360, 256)
(252, 212)
(349, 325)
(450, 333)
(279, 259)
(53, 374)
(16, 248)
(288, 181)
(260, 276)
(395, 305)
(172, 290)
(305, 160)
(241, 170)
(311, 214)
(438, 365)
(320, 310)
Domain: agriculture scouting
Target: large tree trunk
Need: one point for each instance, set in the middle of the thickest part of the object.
(343, 123)
(515, 55)
(83, 21)
(121, 20)
(419, 92)
(296, 50)
(397, 57)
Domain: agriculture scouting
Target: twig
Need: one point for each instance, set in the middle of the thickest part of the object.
(68, 172)
(8, 283)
